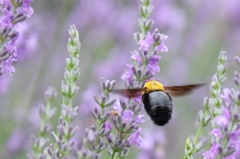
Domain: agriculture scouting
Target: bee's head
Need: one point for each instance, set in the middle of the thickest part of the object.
(152, 85)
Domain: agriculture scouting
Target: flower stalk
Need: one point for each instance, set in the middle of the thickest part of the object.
(212, 107)
(40, 139)
(65, 128)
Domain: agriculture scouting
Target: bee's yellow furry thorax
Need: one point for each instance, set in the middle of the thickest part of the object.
(153, 85)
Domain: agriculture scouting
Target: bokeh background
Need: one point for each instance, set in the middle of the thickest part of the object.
(197, 30)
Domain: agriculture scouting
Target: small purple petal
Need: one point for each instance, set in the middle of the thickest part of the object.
(234, 140)
(213, 152)
(135, 137)
(144, 44)
(153, 66)
(6, 19)
(226, 96)
(137, 57)
(127, 115)
(221, 121)
(108, 126)
(7, 66)
(128, 75)
(227, 113)
(217, 133)
(25, 9)
(230, 157)
(162, 47)
(140, 118)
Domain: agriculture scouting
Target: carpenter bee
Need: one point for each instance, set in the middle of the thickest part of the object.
(156, 98)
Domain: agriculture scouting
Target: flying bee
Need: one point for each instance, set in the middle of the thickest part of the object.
(156, 98)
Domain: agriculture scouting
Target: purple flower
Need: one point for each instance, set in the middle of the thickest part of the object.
(230, 157)
(162, 47)
(108, 126)
(223, 119)
(213, 152)
(25, 9)
(140, 118)
(135, 137)
(16, 141)
(6, 19)
(136, 57)
(128, 75)
(153, 66)
(127, 115)
(226, 96)
(217, 133)
(105, 68)
(87, 102)
(148, 41)
(7, 66)
(148, 142)
(234, 140)
(27, 42)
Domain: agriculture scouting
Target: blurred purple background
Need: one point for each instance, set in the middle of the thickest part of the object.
(197, 32)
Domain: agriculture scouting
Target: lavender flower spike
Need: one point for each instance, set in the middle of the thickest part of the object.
(40, 139)
(224, 137)
(212, 107)
(63, 146)
(222, 110)
(12, 12)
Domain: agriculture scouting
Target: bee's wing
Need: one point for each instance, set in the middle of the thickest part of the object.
(181, 90)
(130, 93)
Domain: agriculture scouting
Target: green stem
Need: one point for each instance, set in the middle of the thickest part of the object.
(197, 136)
(113, 154)
(64, 101)
(70, 102)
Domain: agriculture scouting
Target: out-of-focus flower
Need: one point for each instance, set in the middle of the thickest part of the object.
(40, 139)
(27, 41)
(152, 144)
(168, 15)
(87, 102)
(115, 61)
(12, 13)
(97, 13)
(16, 141)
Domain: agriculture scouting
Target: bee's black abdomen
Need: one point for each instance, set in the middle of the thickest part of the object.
(158, 105)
